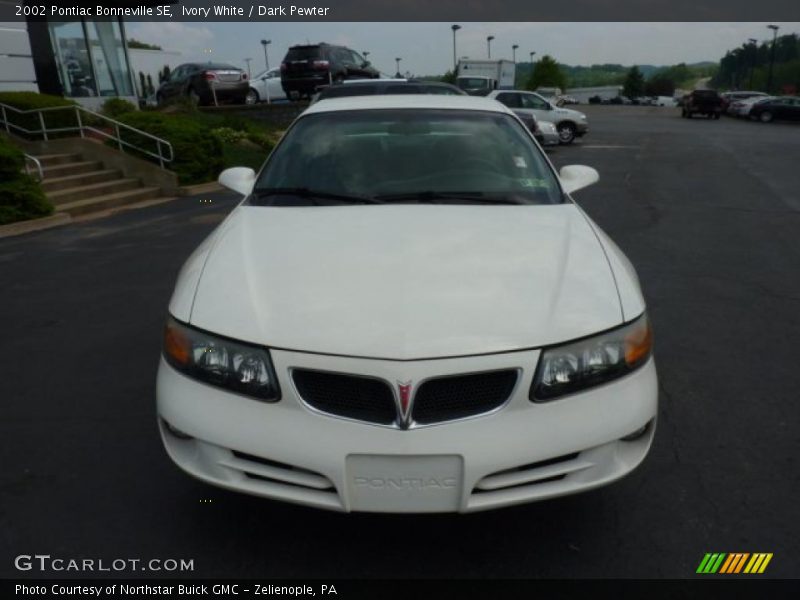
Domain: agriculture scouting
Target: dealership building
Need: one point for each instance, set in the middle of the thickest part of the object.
(86, 60)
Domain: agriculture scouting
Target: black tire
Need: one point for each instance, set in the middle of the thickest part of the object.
(766, 117)
(251, 97)
(566, 133)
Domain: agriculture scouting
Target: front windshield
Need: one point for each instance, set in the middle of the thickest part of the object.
(389, 155)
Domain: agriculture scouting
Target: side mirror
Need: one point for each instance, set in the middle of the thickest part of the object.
(577, 177)
(238, 179)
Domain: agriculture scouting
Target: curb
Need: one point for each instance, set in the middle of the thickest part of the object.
(30, 225)
(200, 188)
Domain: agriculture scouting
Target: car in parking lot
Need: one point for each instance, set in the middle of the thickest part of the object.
(702, 102)
(306, 68)
(781, 108)
(205, 83)
(741, 108)
(407, 312)
(266, 87)
(569, 123)
(728, 98)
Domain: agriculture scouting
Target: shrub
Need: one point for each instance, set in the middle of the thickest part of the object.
(227, 135)
(114, 107)
(34, 100)
(20, 196)
(198, 155)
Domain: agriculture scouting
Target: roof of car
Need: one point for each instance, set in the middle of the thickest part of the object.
(377, 102)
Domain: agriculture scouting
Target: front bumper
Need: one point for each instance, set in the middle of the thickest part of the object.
(522, 452)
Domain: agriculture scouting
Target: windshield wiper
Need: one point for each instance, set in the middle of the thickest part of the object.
(432, 197)
(314, 195)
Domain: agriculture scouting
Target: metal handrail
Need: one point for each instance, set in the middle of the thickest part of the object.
(162, 145)
(38, 164)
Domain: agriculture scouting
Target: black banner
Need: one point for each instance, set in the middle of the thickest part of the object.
(406, 10)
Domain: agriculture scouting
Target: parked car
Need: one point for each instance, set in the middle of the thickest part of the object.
(205, 83)
(266, 87)
(665, 101)
(570, 123)
(449, 332)
(307, 68)
(544, 132)
(741, 108)
(730, 97)
(386, 86)
(702, 102)
(782, 108)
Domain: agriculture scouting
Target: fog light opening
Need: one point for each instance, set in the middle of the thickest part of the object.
(638, 433)
(176, 432)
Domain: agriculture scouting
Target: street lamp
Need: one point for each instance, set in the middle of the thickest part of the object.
(366, 54)
(772, 56)
(753, 42)
(532, 53)
(455, 61)
(266, 43)
(489, 39)
(514, 53)
(398, 75)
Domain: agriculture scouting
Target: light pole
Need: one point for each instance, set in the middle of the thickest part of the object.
(398, 75)
(266, 43)
(753, 43)
(532, 53)
(249, 74)
(455, 60)
(489, 39)
(514, 53)
(772, 56)
(366, 54)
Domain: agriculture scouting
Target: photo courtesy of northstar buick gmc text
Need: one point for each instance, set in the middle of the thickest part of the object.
(407, 312)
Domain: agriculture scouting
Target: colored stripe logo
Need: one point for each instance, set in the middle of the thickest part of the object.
(734, 563)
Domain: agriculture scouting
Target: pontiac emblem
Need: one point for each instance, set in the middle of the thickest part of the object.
(404, 398)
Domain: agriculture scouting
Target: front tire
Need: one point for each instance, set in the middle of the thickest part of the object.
(251, 97)
(766, 117)
(566, 133)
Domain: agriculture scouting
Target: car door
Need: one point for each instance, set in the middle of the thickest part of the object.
(510, 99)
(172, 86)
(272, 84)
(537, 106)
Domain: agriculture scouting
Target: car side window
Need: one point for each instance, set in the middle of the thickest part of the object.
(534, 102)
(177, 74)
(510, 100)
(343, 56)
(357, 58)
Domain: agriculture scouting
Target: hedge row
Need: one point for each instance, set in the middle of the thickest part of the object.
(33, 100)
(198, 155)
(21, 197)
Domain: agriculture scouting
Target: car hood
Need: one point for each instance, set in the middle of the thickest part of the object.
(406, 281)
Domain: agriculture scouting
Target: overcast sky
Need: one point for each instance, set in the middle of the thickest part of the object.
(427, 48)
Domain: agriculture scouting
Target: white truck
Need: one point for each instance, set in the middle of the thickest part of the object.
(479, 77)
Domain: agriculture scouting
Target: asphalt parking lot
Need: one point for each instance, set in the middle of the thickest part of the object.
(709, 213)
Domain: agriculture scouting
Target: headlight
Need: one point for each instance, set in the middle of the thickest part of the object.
(579, 365)
(221, 362)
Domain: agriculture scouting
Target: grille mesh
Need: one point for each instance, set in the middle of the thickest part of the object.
(459, 396)
(350, 396)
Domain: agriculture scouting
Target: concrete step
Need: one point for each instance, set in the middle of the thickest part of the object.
(61, 170)
(48, 160)
(99, 203)
(59, 183)
(93, 190)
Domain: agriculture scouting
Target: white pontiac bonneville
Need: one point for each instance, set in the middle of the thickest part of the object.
(407, 313)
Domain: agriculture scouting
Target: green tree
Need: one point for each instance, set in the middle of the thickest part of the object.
(660, 85)
(136, 44)
(449, 77)
(546, 72)
(634, 83)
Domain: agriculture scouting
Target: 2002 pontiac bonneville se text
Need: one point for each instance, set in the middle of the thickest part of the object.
(407, 313)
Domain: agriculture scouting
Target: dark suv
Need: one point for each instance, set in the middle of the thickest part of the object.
(205, 83)
(702, 102)
(307, 68)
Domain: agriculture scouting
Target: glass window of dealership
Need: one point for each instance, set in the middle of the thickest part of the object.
(91, 58)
